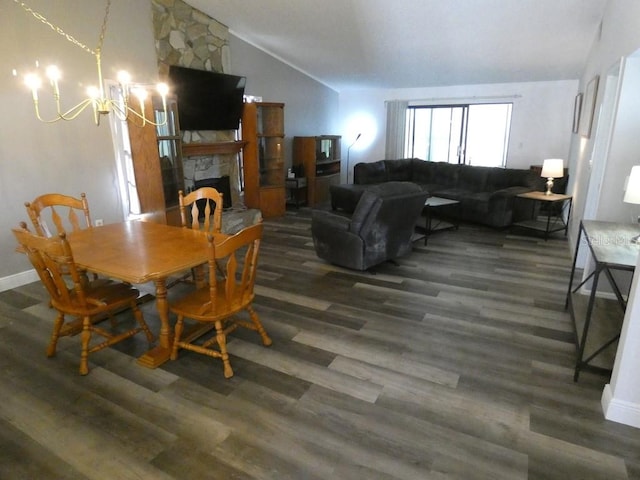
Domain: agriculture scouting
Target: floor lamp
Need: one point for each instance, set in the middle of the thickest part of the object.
(348, 151)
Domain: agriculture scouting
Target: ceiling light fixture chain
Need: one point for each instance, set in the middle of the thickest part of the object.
(103, 30)
(58, 30)
(97, 97)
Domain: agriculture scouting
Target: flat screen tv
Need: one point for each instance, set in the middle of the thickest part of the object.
(207, 100)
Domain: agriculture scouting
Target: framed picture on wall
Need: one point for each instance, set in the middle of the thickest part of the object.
(577, 106)
(588, 109)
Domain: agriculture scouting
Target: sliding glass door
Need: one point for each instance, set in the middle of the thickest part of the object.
(466, 134)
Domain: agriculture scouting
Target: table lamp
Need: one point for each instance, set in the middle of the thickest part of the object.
(632, 193)
(552, 168)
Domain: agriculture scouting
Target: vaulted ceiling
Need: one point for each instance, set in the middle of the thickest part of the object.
(418, 43)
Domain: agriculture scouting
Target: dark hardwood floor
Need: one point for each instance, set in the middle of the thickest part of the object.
(456, 363)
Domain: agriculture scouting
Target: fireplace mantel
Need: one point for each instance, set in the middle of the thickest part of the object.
(215, 148)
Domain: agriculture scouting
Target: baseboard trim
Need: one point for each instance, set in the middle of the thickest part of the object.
(17, 280)
(619, 411)
(606, 295)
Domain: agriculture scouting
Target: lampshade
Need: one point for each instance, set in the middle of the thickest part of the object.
(552, 168)
(632, 193)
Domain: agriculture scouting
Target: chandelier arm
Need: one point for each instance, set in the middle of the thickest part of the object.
(145, 120)
(73, 112)
(118, 109)
(70, 114)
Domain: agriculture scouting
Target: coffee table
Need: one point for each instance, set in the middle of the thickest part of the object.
(433, 207)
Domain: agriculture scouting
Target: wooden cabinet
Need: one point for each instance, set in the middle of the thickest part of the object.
(157, 164)
(263, 157)
(320, 159)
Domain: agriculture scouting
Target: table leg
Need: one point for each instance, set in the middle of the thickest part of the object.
(566, 225)
(427, 225)
(546, 232)
(160, 353)
(198, 274)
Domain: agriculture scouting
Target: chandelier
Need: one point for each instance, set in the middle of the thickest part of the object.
(96, 96)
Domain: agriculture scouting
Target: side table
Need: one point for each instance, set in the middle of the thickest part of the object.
(436, 205)
(555, 221)
(296, 187)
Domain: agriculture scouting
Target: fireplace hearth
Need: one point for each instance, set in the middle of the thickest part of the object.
(222, 184)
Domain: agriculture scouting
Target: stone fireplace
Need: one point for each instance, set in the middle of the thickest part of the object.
(187, 37)
(203, 170)
(211, 163)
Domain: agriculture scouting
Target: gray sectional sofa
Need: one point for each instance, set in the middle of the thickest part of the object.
(487, 195)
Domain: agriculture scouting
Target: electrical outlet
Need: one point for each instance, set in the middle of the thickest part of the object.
(99, 222)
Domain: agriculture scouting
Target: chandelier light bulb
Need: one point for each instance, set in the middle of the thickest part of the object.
(163, 89)
(140, 93)
(123, 77)
(32, 81)
(53, 73)
(93, 92)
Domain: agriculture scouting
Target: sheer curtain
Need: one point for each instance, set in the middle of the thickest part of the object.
(396, 121)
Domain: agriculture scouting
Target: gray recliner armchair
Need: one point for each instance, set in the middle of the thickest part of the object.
(379, 229)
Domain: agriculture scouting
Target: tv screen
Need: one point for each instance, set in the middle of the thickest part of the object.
(207, 100)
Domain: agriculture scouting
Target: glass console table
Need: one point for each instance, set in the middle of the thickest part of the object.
(598, 320)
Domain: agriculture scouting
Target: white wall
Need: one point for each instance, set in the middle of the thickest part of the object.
(620, 38)
(541, 120)
(311, 108)
(625, 149)
(67, 157)
(621, 397)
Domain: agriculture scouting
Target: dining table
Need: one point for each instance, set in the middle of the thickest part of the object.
(139, 252)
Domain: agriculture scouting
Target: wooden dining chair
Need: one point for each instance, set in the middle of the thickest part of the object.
(223, 299)
(70, 294)
(205, 212)
(63, 211)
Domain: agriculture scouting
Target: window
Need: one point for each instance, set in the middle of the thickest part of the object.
(124, 162)
(467, 134)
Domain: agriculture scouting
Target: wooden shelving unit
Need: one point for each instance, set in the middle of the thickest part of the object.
(263, 157)
(320, 159)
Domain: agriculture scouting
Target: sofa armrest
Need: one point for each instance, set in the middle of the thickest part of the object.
(506, 209)
(333, 221)
(334, 242)
(510, 191)
(345, 197)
